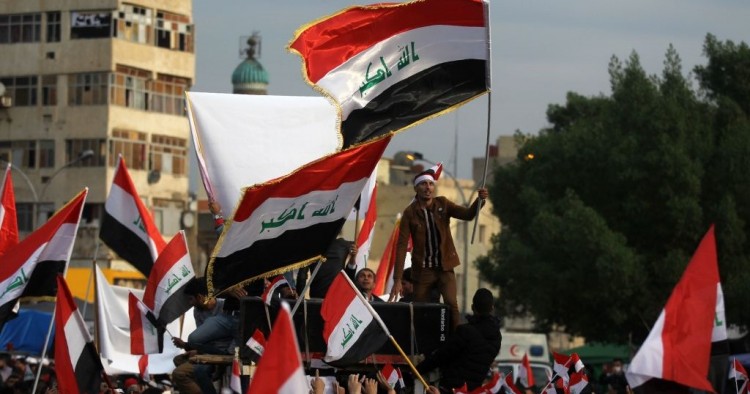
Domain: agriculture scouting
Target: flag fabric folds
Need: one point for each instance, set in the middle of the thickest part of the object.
(144, 335)
(165, 288)
(30, 268)
(384, 277)
(257, 342)
(127, 226)
(560, 365)
(510, 386)
(280, 370)
(392, 376)
(678, 348)
(525, 374)
(234, 382)
(252, 130)
(77, 364)
(290, 221)
(578, 382)
(8, 219)
(737, 371)
(364, 239)
(390, 66)
(352, 330)
(278, 282)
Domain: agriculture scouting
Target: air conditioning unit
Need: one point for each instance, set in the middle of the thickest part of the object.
(6, 102)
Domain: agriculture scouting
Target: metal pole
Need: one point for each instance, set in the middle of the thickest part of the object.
(91, 279)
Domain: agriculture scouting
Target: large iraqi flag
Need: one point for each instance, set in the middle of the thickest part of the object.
(30, 268)
(678, 348)
(77, 364)
(165, 288)
(352, 330)
(392, 65)
(8, 220)
(127, 226)
(290, 221)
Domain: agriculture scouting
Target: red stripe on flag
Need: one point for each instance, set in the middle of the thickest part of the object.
(175, 250)
(136, 326)
(320, 175)
(357, 29)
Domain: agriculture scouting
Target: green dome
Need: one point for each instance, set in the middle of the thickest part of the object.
(249, 72)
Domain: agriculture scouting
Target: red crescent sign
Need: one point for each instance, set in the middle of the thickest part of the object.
(513, 350)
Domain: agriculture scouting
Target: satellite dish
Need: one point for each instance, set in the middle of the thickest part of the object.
(153, 177)
(2, 89)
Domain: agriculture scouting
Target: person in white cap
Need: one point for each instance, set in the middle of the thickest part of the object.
(427, 222)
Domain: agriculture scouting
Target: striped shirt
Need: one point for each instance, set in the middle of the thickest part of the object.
(432, 257)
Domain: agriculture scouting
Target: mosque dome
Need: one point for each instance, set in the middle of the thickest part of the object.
(249, 77)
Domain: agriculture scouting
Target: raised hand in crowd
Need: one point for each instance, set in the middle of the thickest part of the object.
(354, 385)
(318, 385)
(371, 386)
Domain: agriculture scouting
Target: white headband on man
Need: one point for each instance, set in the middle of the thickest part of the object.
(431, 174)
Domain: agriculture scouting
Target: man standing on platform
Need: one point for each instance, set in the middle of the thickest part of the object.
(427, 222)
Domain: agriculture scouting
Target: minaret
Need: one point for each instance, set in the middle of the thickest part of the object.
(249, 77)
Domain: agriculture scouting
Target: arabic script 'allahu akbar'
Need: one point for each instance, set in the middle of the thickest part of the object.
(292, 213)
(407, 57)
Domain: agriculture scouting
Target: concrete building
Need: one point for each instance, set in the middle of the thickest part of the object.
(88, 80)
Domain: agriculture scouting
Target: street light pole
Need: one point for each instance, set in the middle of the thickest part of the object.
(88, 153)
(25, 178)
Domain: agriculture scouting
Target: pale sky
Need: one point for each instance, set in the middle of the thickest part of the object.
(540, 51)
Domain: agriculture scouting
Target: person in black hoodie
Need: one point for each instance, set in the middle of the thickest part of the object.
(467, 355)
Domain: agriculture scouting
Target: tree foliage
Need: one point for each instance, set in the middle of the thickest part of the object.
(600, 224)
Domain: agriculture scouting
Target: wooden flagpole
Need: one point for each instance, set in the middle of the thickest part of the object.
(488, 78)
(301, 297)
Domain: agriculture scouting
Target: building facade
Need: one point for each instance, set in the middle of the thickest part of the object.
(84, 82)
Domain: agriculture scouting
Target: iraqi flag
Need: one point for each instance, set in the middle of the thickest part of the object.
(165, 288)
(392, 376)
(289, 222)
(235, 383)
(364, 238)
(277, 283)
(257, 342)
(561, 365)
(576, 362)
(525, 374)
(8, 220)
(509, 386)
(127, 226)
(390, 66)
(144, 334)
(77, 364)
(280, 369)
(578, 382)
(737, 371)
(30, 268)
(678, 348)
(352, 330)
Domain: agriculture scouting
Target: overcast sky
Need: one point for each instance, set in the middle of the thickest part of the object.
(540, 51)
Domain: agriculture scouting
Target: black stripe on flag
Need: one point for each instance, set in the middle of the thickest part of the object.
(371, 339)
(174, 306)
(126, 244)
(417, 97)
(88, 370)
(263, 256)
(43, 281)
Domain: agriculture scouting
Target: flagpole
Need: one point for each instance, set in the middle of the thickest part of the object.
(356, 229)
(387, 332)
(301, 297)
(44, 350)
(488, 78)
(88, 284)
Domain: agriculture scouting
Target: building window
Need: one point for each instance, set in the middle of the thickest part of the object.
(74, 148)
(90, 24)
(134, 23)
(128, 87)
(168, 94)
(53, 26)
(174, 31)
(87, 89)
(92, 214)
(169, 154)
(49, 90)
(167, 214)
(131, 145)
(25, 216)
(17, 28)
(23, 153)
(46, 154)
(23, 90)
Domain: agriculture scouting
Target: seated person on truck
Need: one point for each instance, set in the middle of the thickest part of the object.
(467, 355)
